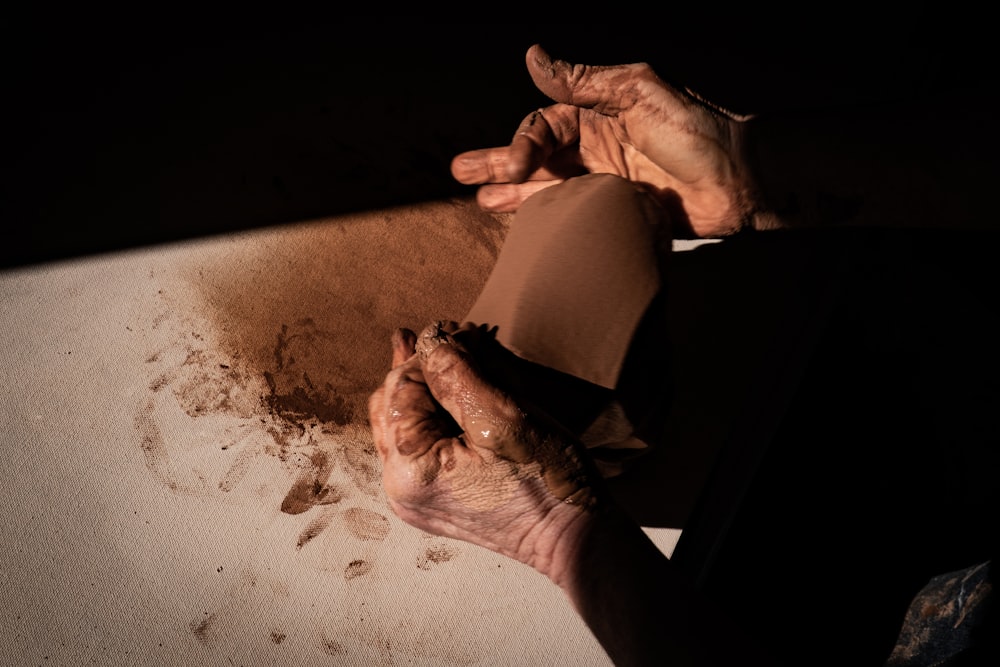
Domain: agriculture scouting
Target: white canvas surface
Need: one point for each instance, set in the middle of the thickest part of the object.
(188, 478)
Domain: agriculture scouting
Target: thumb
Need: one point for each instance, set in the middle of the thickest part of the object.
(608, 89)
(403, 346)
(487, 415)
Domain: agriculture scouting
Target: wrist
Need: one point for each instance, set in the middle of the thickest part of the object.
(735, 194)
(754, 212)
(554, 542)
(586, 541)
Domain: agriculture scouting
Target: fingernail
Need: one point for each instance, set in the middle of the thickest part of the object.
(403, 340)
(430, 339)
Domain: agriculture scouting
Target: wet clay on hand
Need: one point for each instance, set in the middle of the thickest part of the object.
(528, 444)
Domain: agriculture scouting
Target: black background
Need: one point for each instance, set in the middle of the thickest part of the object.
(125, 129)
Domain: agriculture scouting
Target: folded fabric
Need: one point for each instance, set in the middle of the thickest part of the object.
(571, 295)
(577, 271)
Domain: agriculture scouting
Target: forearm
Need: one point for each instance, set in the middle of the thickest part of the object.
(922, 164)
(640, 608)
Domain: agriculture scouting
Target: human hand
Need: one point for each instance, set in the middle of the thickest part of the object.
(462, 459)
(623, 120)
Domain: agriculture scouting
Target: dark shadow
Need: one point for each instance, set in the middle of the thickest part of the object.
(166, 128)
(832, 440)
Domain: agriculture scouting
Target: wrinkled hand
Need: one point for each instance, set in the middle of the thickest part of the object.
(461, 459)
(622, 120)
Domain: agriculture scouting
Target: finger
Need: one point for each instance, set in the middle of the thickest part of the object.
(485, 165)
(403, 345)
(532, 144)
(402, 342)
(539, 143)
(412, 421)
(376, 410)
(491, 165)
(606, 89)
(475, 337)
(485, 414)
(474, 340)
(508, 197)
(379, 413)
(404, 418)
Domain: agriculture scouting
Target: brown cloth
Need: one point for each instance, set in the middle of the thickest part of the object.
(577, 271)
